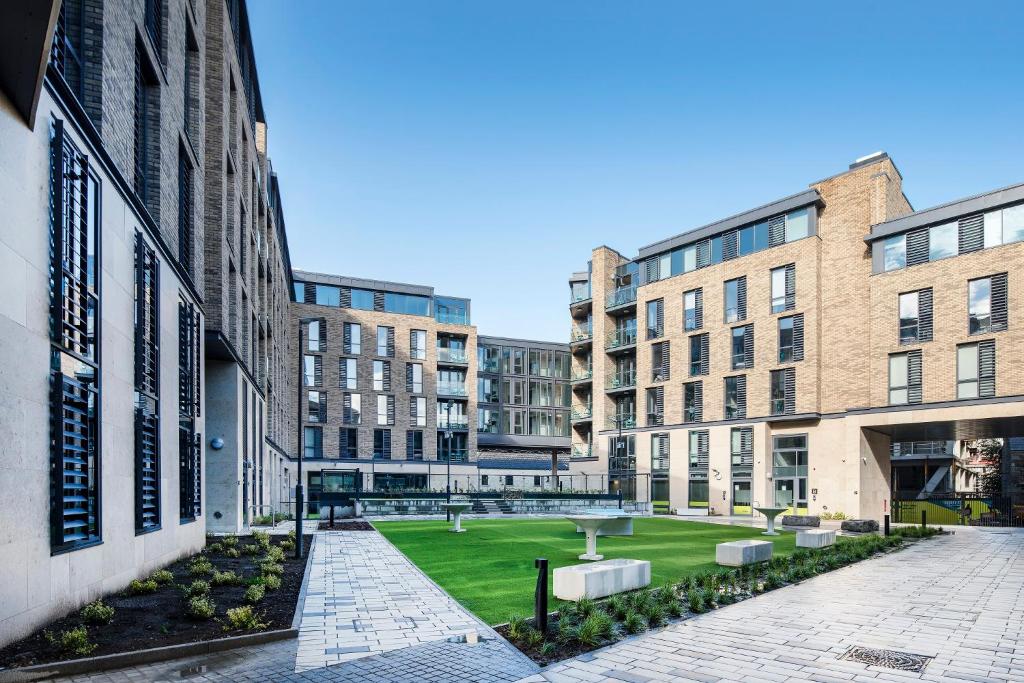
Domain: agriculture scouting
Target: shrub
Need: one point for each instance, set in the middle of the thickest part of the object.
(200, 607)
(673, 607)
(634, 622)
(162, 576)
(547, 649)
(726, 597)
(533, 637)
(255, 593)
(583, 608)
(97, 613)
(288, 545)
(773, 580)
(616, 606)
(269, 568)
(196, 588)
(228, 578)
(232, 552)
(274, 554)
(200, 566)
(243, 618)
(215, 548)
(516, 627)
(639, 600)
(140, 587)
(261, 539)
(229, 541)
(695, 601)
(74, 641)
(251, 549)
(656, 614)
(595, 628)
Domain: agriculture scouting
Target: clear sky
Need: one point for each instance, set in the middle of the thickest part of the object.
(485, 147)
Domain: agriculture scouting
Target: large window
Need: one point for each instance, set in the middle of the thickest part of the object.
(778, 284)
(742, 347)
(418, 344)
(385, 409)
(385, 341)
(909, 317)
(692, 310)
(660, 365)
(316, 406)
(382, 444)
(487, 390)
(381, 375)
(327, 295)
(312, 370)
(975, 370)
(414, 378)
(782, 389)
(488, 358)
(894, 252)
(348, 373)
(943, 241)
(987, 304)
(487, 420)
(735, 397)
(418, 410)
(312, 442)
(732, 313)
(352, 338)
(898, 378)
(513, 360)
(362, 299)
(693, 399)
(622, 453)
(348, 442)
(147, 383)
(514, 391)
(351, 409)
(414, 445)
(786, 354)
(789, 470)
(408, 304)
(655, 318)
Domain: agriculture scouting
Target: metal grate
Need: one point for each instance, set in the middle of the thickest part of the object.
(890, 659)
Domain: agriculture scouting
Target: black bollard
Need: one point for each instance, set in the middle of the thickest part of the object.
(924, 518)
(887, 525)
(540, 602)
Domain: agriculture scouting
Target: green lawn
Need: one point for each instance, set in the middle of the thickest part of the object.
(489, 569)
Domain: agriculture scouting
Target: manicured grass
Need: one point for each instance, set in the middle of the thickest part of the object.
(489, 569)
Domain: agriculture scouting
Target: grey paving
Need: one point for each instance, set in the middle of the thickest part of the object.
(958, 599)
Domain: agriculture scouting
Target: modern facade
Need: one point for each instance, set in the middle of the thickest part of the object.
(146, 288)
(776, 356)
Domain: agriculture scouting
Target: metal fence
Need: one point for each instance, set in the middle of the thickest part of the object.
(961, 509)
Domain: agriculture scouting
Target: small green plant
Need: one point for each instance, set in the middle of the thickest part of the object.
(695, 601)
(547, 649)
(274, 554)
(243, 618)
(516, 627)
(656, 614)
(74, 641)
(200, 566)
(232, 553)
(162, 576)
(640, 600)
(261, 539)
(773, 580)
(596, 627)
(227, 578)
(250, 549)
(255, 593)
(196, 588)
(674, 607)
(270, 582)
(270, 568)
(634, 622)
(616, 606)
(201, 607)
(229, 541)
(287, 545)
(215, 548)
(141, 587)
(97, 613)
(533, 637)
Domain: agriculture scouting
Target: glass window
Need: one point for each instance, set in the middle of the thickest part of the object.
(351, 373)
(540, 393)
(408, 304)
(451, 311)
(418, 344)
(695, 355)
(487, 389)
(993, 229)
(785, 340)
(378, 375)
(967, 371)
(690, 310)
(488, 358)
(909, 317)
(690, 402)
(698, 492)
(653, 319)
(382, 409)
(777, 392)
(382, 444)
(898, 379)
(1013, 224)
(716, 249)
(300, 292)
(778, 277)
(737, 347)
(664, 265)
(732, 311)
(732, 406)
(382, 340)
(747, 240)
(313, 442)
(942, 241)
(314, 336)
(797, 225)
(417, 378)
(309, 370)
(313, 406)
(761, 236)
(421, 411)
(979, 305)
(487, 420)
(894, 252)
(327, 295)
(355, 333)
(677, 261)
(689, 258)
(362, 299)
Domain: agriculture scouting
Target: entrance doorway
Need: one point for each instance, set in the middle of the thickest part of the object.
(741, 498)
(791, 493)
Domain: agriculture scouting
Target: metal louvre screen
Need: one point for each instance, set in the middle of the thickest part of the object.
(741, 297)
(917, 246)
(776, 231)
(147, 364)
(790, 384)
(703, 253)
(147, 466)
(790, 286)
(378, 301)
(730, 245)
(748, 346)
(798, 336)
(391, 410)
(705, 354)
(924, 315)
(971, 234)
(914, 376)
(189, 443)
(698, 298)
(345, 297)
(987, 368)
(999, 302)
(741, 396)
(74, 445)
(386, 380)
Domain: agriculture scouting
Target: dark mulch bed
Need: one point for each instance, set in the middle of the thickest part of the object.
(345, 526)
(159, 619)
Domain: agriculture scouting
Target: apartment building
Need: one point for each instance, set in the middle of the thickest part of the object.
(775, 356)
(399, 392)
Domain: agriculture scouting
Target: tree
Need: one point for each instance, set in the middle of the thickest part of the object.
(990, 481)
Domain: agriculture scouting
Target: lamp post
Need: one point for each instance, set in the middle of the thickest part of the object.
(300, 434)
(448, 437)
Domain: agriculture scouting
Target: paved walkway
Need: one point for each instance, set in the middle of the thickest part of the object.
(957, 599)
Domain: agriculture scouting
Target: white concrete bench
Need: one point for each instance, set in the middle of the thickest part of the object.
(601, 579)
(740, 553)
(815, 538)
(622, 526)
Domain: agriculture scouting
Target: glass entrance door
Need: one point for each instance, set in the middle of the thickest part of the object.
(792, 495)
(741, 498)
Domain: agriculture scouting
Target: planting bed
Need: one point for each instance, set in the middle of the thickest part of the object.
(339, 525)
(159, 618)
(588, 624)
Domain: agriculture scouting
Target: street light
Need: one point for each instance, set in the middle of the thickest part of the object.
(448, 437)
(300, 435)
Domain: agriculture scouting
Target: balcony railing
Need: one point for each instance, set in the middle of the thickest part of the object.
(582, 375)
(577, 295)
(457, 454)
(446, 355)
(452, 389)
(621, 381)
(580, 334)
(655, 419)
(625, 421)
(621, 296)
(582, 413)
(620, 338)
(456, 423)
(581, 450)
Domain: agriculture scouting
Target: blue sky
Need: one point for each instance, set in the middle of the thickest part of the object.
(485, 147)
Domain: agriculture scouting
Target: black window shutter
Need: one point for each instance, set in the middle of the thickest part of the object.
(698, 299)
(987, 368)
(386, 381)
(322, 411)
(917, 246)
(730, 248)
(386, 442)
(703, 458)
(391, 410)
(346, 338)
(790, 286)
(741, 397)
(999, 302)
(322, 341)
(342, 373)
(705, 354)
(391, 342)
(698, 401)
(971, 233)
(412, 409)
(410, 438)
(665, 361)
(748, 346)
(345, 298)
(924, 315)
(776, 231)
(378, 301)
(147, 472)
(408, 377)
(798, 336)
(309, 292)
(343, 442)
(318, 370)
(703, 253)
(790, 386)
(914, 376)
(661, 317)
(747, 446)
(741, 297)
(346, 408)
(652, 269)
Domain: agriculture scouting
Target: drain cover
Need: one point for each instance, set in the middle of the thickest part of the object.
(891, 659)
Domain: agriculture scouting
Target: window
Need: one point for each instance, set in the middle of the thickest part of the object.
(312, 370)
(513, 421)
(698, 451)
(909, 317)
(418, 344)
(742, 347)
(782, 390)
(385, 410)
(797, 225)
(327, 295)
(541, 423)
(186, 216)
(689, 258)
(622, 453)
(655, 318)
(514, 391)
(381, 375)
(656, 406)
(791, 338)
(487, 420)
(484, 480)
(699, 354)
(451, 311)
(741, 440)
(418, 410)
(351, 409)
(513, 360)
(488, 358)
(408, 304)
(316, 406)
(312, 442)
(789, 470)
(660, 364)
(190, 454)
(348, 373)
(382, 444)
(362, 299)
(146, 136)
(986, 304)
(385, 341)
(943, 241)
(693, 401)
(352, 338)
(735, 299)
(735, 397)
(905, 378)
(894, 252)
(313, 332)
(348, 442)
(660, 452)
(414, 378)
(1013, 224)
(487, 390)
(975, 370)
(147, 383)
(414, 444)
(692, 310)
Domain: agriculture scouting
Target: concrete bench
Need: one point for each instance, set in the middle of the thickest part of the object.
(601, 579)
(741, 553)
(815, 538)
(622, 526)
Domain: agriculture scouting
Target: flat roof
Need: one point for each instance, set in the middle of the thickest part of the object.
(510, 341)
(362, 283)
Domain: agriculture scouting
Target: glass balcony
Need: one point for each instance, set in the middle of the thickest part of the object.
(446, 355)
(655, 419)
(580, 334)
(456, 423)
(582, 413)
(457, 454)
(580, 292)
(621, 381)
(451, 389)
(582, 375)
(625, 421)
(619, 297)
(581, 450)
(620, 338)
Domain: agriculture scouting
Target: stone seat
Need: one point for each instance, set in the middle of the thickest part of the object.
(860, 525)
(601, 579)
(741, 553)
(801, 520)
(815, 538)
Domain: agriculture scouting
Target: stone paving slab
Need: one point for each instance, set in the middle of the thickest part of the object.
(958, 599)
